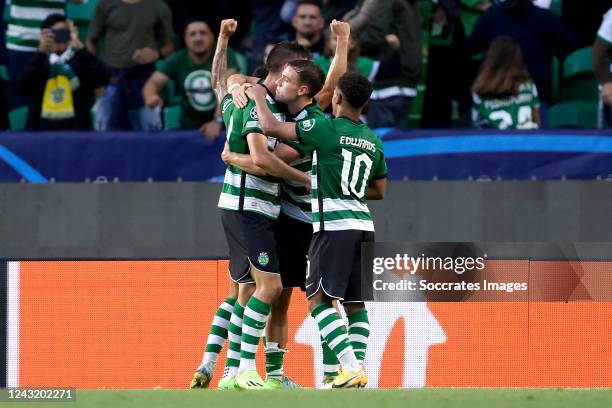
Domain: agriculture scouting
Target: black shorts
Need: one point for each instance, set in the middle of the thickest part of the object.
(335, 264)
(293, 240)
(251, 241)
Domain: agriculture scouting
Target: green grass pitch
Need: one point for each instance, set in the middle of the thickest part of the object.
(422, 398)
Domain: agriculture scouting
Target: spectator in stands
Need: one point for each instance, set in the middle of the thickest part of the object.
(452, 21)
(356, 63)
(602, 57)
(394, 28)
(60, 78)
(22, 37)
(308, 24)
(136, 33)
(539, 33)
(190, 69)
(504, 95)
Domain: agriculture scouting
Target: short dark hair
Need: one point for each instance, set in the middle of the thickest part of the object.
(53, 19)
(309, 74)
(282, 53)
(195, 20)
(260, 72)
(355, 88)
(309, 2)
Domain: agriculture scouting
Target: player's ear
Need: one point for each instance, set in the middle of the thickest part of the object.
(303, 90)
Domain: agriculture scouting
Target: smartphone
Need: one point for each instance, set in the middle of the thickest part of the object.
(61, 35)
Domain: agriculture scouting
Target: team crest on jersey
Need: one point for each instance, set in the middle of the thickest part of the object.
(263, 259)
(253, 113)
(308, 124)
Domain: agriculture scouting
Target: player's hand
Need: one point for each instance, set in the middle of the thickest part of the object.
(145, 55)
(211, 129)
(256, 91)
(606, 93)
(46, 40)
(153, 101)
(228, 27)
(239, 95)
(393, 40)
(340, 28)
(225, 154)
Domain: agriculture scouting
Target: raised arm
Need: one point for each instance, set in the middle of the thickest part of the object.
(266, 160)
(268, 122)
(219, 65)
(339, 64)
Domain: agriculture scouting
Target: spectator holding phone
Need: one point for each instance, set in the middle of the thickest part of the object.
(60, 78)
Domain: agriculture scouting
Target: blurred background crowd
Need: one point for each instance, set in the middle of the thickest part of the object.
(145, 64)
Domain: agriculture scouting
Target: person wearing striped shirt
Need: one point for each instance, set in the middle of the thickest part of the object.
(294, 227)
(348, 167)
(250, 204)
(23, 37)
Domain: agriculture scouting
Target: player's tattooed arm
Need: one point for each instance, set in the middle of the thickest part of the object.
(339, 64)
(219, 65)
(265, 159)
(267, 121)
(242, 161)
(377, 189)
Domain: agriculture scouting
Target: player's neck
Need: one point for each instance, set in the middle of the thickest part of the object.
(270, 83)
(299, 104)
(351, 114)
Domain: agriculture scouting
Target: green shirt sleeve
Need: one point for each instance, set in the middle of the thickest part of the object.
(311, 132)
(250, 120)
(169, 66)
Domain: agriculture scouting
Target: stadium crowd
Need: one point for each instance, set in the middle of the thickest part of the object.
(145, 64)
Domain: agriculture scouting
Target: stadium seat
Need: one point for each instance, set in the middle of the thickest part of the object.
(579, 83)
(556, 6)
(578, 114)
(17, 118)
(3, 73)
(172, 117)
(555, 74)
(83, 11)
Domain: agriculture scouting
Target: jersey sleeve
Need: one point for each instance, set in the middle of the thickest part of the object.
(311, 132)
(250, 120)
(169, 66)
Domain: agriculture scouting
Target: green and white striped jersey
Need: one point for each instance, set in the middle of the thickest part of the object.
(295, 198)
(346, 156)
(242, 191)
(515, 112)
(23, 31)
